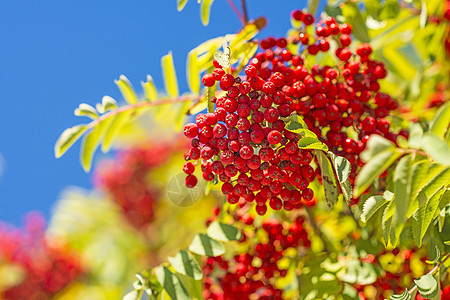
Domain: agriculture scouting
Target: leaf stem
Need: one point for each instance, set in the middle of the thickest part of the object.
(432, 272)
(242, 18)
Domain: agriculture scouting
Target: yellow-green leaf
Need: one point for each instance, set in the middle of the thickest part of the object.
(181, 4)
(126, 88)
(149, 89)
(86, 110)
(193, 73)
(205, 10)
(68, 138)
(170, 77)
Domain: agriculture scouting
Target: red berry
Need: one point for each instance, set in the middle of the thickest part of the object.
(191, 181)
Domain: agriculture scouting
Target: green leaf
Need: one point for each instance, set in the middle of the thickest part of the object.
(386, 225)
(402, 195)
(114, 127)
(68, 138)
(296, 125)
(205, 10)
(126, 88)
(342, 168)
(404, 296)
(376, 144)
(108, 103)
(204, 245)
(419, 173)
(436, 148)
(353, 16)
(170, 77)
(374, 168)
(184, 263)
(439, 124)
(423, 217)
(312, 6)
(311, 143)
(435, 183)
(328, 178)
(149, 89)
(181, 4)
(427, 286)
(171, 283)
(371, 206)
(223, 232)
(193, 72)
(87, 111)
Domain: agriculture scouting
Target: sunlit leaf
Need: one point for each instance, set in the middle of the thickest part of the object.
(311, 143)
(342, 168)
(436, 148)
(223, 232)
(371, 206)
(170, 77)
(181, 4)
(404, 296)
(108, 103)
(68, 138)
(441, 120)
(423, 217)
(202, 244)
(205, 11)
(126, 88)
(192, 72)
(171, 284)
(328, 178)
(427, 286)
(184, 263)
(374, 168)
(86, 110)
(149, 89)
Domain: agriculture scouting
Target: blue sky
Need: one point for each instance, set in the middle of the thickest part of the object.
(57, 54)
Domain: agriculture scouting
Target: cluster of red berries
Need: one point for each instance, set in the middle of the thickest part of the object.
(398, 274)
(252, 275)
(125, 180)
(244, 142)
(46, 269)
(337, 100)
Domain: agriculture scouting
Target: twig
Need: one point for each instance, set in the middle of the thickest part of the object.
(316, 228)
(242, 18)
(244, 10)
(432, 272)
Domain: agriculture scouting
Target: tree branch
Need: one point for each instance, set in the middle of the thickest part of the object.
(242, 18)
